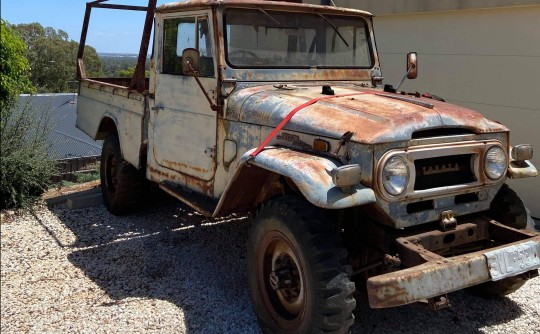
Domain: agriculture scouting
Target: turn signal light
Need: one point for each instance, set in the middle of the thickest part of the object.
(321, 145)
(347, 176)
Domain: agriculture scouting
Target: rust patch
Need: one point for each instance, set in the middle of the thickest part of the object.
(204, 187)
(373, 119)
(432, 275)
(156, 174)
(177, 165)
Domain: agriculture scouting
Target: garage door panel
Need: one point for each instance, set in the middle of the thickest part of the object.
(490, 80)
(470, 32)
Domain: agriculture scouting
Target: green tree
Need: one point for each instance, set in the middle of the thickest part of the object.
(53, 57)
(128, 73)
(14, 68)
(25, 168)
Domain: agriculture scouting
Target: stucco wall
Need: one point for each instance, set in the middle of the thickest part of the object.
(386, 7)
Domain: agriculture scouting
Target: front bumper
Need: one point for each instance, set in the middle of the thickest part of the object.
(438, 275)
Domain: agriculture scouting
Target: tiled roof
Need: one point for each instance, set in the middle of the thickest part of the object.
(67, 141)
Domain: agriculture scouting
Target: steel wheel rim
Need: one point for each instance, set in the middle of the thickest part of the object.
(287, 305)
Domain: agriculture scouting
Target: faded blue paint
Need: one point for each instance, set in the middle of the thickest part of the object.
(312, 175)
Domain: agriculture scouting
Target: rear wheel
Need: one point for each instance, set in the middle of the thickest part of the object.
(298, 271)
(508, 209)
(121, 183)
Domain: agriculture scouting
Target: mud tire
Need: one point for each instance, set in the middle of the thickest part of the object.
(289, 227)
(121, 183)
(508, 209)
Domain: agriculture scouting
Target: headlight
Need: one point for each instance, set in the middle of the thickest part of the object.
(395, 175)
(495, 163)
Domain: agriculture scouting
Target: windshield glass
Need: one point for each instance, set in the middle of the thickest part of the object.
(265, 38)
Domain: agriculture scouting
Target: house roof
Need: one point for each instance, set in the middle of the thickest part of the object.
(61, 109)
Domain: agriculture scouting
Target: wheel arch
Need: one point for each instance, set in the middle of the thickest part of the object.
(107, 125)
(274, 170)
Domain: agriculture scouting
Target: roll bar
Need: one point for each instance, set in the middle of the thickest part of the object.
(137, 81)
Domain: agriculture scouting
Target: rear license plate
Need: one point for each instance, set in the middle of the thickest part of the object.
(513, 260)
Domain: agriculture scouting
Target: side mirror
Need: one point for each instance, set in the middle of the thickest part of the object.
(190, 61)
(412, 65)
(412, 72)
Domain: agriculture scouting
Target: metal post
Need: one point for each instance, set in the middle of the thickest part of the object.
(138, 82)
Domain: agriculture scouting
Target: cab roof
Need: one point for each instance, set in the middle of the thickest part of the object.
(267, 4)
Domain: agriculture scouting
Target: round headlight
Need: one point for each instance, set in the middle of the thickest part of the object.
(395, 175)
(495, 163)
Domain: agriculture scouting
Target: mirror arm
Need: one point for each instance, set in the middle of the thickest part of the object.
(404, 77)
(213, 106)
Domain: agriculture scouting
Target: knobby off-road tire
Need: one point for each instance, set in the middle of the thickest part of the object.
(121, 183)
(508, 209)
(298, 272)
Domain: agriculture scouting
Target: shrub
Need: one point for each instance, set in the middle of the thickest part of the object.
(25, 166)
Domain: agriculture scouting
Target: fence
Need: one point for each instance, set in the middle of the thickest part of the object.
(68, 168)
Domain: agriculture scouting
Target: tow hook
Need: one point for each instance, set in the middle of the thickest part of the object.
(448, 222)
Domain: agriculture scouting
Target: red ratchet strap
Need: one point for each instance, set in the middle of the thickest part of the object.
(292, 113)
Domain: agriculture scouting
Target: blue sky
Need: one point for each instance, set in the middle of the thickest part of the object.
(110, 30)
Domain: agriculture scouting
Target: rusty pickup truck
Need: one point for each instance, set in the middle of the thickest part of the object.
(278, 110)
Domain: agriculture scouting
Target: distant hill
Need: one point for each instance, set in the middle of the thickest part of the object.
(117, 55)
(113, 63)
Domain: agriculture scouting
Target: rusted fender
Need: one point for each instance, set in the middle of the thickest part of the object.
(311, 174)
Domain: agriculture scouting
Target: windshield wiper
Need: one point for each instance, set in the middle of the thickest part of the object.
(335, 28)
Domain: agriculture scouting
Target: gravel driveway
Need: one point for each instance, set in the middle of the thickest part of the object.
(169, 270)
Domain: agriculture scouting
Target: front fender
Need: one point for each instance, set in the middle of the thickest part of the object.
(311, 174)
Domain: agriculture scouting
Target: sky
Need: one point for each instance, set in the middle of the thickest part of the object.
(110, 31)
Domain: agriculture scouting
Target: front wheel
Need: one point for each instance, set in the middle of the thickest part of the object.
(298, 271)
(121, 183)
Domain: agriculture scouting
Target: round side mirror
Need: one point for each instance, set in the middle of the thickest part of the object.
(190, 61)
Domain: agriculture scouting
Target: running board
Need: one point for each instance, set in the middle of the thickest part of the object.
(202, 204)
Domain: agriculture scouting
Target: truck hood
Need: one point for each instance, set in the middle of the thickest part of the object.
(372, 118)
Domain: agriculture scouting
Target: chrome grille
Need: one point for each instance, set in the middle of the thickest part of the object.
(443, 171)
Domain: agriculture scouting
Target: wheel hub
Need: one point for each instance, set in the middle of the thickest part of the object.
(285, 278)
(282, 280)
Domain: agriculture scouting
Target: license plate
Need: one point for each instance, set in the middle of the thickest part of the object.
(513, 260)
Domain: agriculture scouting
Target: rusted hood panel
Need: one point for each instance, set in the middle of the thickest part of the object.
(372, 118)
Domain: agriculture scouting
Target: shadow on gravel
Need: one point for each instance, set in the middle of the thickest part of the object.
(167, 253)
(468, 314)
(170, 253)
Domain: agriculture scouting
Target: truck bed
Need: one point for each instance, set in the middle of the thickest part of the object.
(107, 102)
(123, 82)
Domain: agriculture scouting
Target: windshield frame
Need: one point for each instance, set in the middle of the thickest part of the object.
(331, 16)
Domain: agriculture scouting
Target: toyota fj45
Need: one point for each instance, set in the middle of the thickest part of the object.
(277, 109)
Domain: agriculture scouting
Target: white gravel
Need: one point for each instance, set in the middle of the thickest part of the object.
(169, 270)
